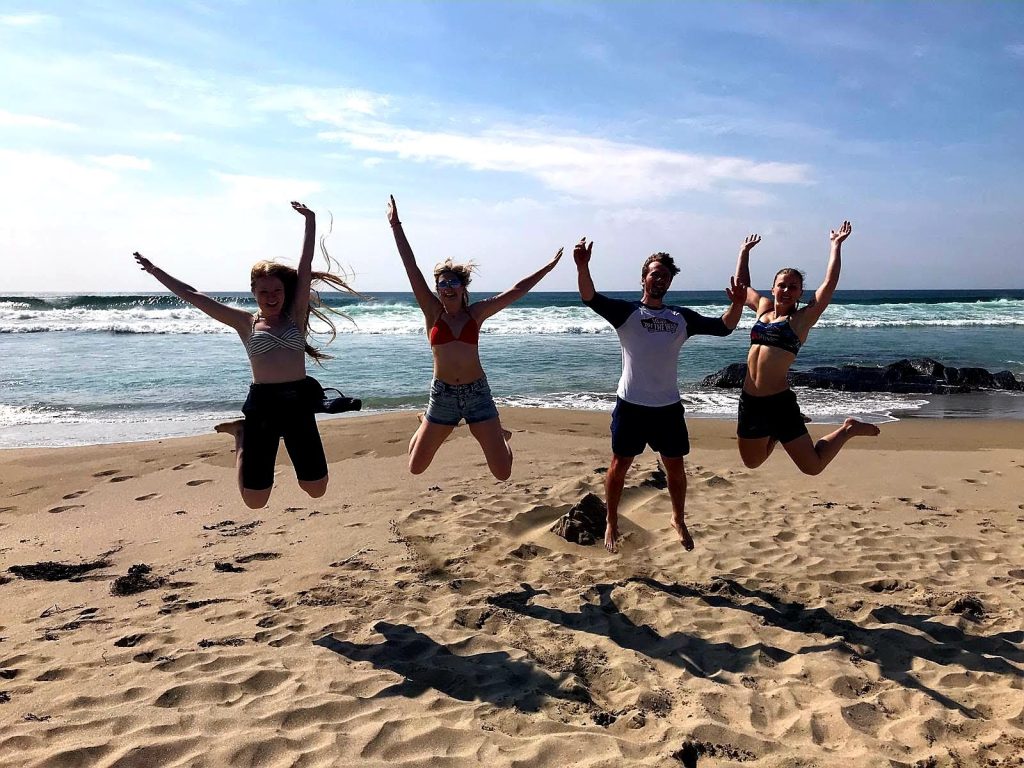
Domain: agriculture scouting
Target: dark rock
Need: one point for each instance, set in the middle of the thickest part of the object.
(919, 376)
(584, 523)
(51, 571)
(227, 567)
(137, 580)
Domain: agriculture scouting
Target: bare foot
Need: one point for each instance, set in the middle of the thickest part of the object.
(684, 534)
(230, 427)
(861, 428)
(611, 539)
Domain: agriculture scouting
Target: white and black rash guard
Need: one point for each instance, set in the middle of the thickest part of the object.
(651, 340)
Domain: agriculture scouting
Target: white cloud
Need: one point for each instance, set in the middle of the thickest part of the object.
(264, 190)
(24, 19)
(590, 168)
(12, 119)
(122, 162)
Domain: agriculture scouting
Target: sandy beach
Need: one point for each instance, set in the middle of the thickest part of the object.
(871, 616)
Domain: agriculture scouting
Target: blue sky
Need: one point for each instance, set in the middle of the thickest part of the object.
(506, 130)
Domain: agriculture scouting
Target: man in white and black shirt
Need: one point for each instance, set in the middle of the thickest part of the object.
(648, 408)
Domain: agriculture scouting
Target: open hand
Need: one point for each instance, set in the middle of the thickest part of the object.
(393, 211)
(750, 242)
(838, 235)
(301, 208)
(581, 251)
(558, 256)
(145, 264)
(737, 291)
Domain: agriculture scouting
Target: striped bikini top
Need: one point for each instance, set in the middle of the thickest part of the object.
(261, 342)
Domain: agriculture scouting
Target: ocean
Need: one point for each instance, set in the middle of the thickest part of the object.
(83, 369)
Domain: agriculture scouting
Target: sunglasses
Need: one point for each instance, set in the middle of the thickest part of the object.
(453, 283)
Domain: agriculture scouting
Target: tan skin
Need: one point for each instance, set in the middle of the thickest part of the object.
(655, 282)
(273, 367)
(457, 362)
(768, 367)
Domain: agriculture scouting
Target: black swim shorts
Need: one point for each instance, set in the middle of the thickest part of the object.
(662, 427)
(273, 412)
(775, 416)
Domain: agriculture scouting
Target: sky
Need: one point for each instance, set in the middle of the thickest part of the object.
(506, 130)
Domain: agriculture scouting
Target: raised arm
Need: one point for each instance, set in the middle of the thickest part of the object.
(823, 296)
(752, 298)
(581, 254)
(429, 303)
(484, 308)
(737, 293)
(238, 319)
(300, 301)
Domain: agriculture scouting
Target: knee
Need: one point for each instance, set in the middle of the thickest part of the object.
(814, 469)
(315, 490)
(503, 472)
(752, 462)
(255, 499)
(417, 467)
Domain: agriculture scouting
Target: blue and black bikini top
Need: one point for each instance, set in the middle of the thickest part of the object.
(778, 333)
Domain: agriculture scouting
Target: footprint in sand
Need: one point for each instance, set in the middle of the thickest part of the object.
(120, 478)
(207, 454)
(929, 487)
(7, 509)
(65, 508)
(73, 495)
(107, 473)
(180, 466)
(147, 497)
(193, 483)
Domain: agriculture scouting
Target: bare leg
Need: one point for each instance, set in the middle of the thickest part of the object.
(252, 499)
(314, 488)
(675, 473)
(614, 481)
(754, 451)
(506, 433)
(811, 458)
(492, 439)
(424, 444)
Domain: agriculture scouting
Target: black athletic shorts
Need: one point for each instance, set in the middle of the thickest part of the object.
(662, 427)
(275, 411)
(775, 416)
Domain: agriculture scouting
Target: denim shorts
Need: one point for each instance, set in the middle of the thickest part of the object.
(450, 403)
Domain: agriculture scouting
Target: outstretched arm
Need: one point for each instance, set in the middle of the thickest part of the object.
(751, 297)
(581, 254)
(484, 308)
(236, 318)
(300, 301)
(823, 296)
(429, 303)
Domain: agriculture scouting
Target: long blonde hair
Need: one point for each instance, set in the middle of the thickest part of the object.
(289, 277)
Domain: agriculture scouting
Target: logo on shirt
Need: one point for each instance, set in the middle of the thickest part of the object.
(659, 325)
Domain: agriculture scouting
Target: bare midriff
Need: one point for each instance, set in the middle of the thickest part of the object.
(277, 366)
(457, 363)
(767, 369)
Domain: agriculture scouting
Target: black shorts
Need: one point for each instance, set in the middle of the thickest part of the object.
(775, 416)
(275, 411)
(661, 427)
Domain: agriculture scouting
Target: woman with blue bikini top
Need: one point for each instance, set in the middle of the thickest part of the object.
(768, 412)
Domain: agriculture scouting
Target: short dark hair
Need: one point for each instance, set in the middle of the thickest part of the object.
(662, 258)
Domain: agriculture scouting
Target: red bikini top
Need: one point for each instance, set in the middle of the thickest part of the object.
(441, 333)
